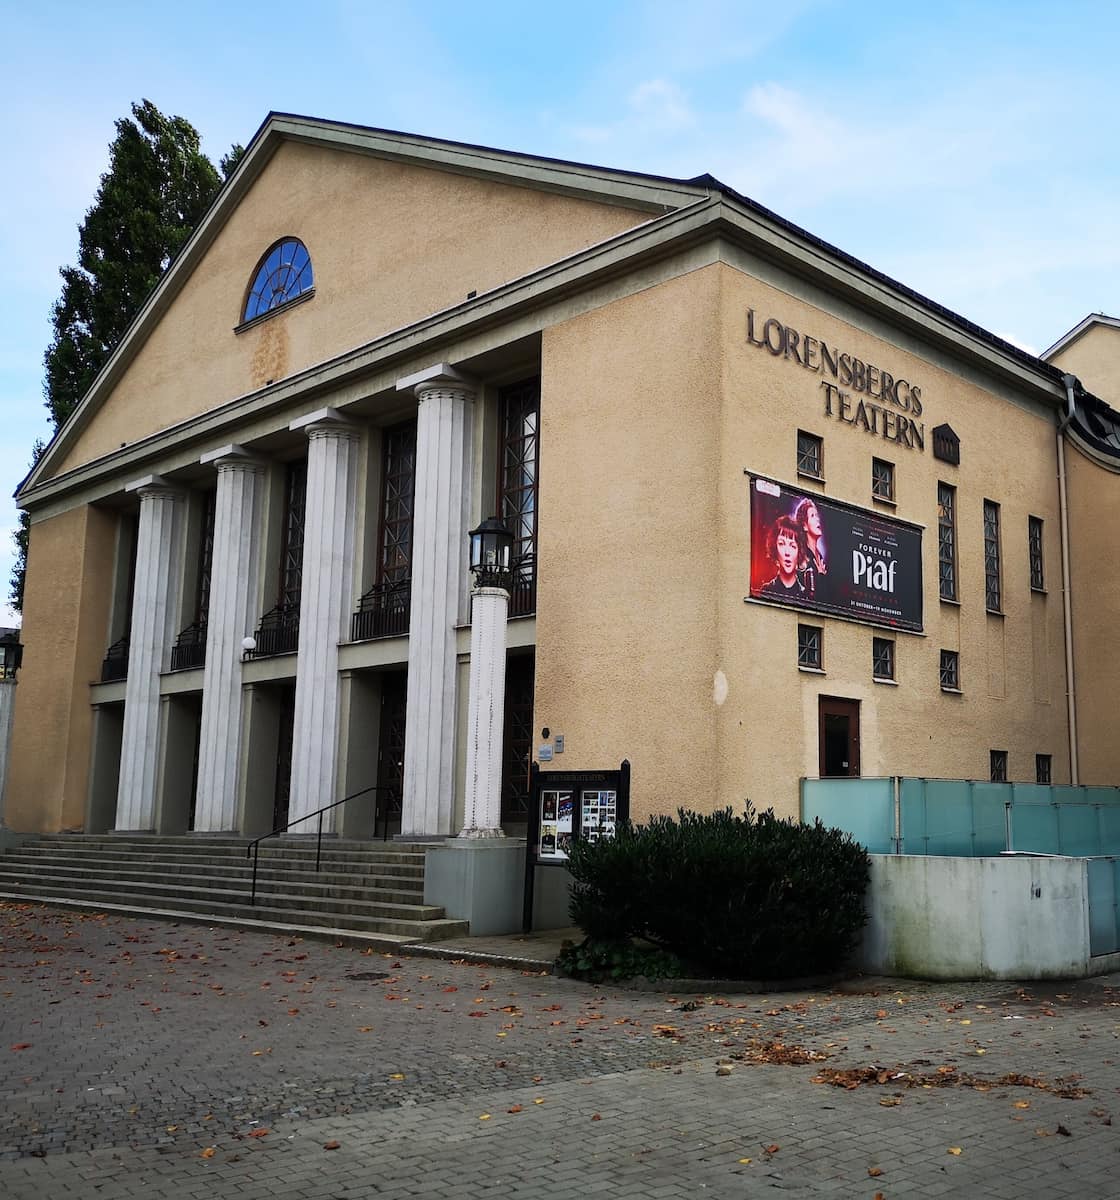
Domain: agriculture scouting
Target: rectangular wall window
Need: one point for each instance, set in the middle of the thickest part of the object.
(518, 468)
(809, 647)
(1042, 768)
(992, 589)
(1034, 546)
(882, 658)
(810, 454)
(998, 764)
(882, 479)
(947, 541)
(950, 671)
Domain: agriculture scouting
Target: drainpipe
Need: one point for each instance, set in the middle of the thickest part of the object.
(1071, 384)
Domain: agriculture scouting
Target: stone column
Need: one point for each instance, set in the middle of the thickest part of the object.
(154, 620)
(485, 713)
(233, 606)
(444, 427)
(326, 599)
(7, 709)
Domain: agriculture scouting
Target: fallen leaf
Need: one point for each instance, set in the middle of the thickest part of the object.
(362, 1028)
(397, 1076)
(539, 1100)
(1022, 1104)
(745, 1161)
(596, 1117)
(773, 1148)
(209, 1152)
(956, 1150)
(172, 1128)
(331, 1145)
(874, 1172)
(515, 1109)
(259, 1133)
(889, 1101)
(22, 1046)
(484, 1117)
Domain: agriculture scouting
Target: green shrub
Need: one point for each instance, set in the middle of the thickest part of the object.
(748, 897)
(601, 961)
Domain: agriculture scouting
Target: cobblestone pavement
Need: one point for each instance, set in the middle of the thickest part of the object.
(146, 1059)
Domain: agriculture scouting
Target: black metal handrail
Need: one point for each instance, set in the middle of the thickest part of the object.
(278, 633)
(190, 647)
(382, 611)
(115, 665)
(253, 847)
(523, 586)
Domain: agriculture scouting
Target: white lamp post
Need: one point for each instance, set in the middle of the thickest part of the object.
(491, 553)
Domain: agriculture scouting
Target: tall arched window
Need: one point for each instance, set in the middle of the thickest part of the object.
(284, 274)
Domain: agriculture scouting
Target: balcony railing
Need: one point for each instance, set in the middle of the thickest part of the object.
(190, 648)
(382, 611)
(278, 633)
(115, 665)
(523, 592)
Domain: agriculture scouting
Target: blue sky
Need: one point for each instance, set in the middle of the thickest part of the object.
(967, 149)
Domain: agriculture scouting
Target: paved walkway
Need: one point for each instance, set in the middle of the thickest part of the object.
(149, 1059)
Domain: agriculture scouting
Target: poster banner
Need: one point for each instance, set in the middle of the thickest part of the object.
(814, 553)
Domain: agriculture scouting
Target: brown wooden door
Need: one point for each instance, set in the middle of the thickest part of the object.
(839, 736)
(390, 746)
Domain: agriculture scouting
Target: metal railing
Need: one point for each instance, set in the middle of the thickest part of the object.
(115, 664)
(523, 587)
(278, 633)
(190, 648)
(382, 611)
(253, 847)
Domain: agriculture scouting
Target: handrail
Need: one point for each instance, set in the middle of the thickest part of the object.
(253, 847)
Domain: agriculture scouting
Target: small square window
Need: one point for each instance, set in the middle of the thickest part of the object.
(809, 639)
(1042, 768)
(882, 658)
(998, 762)
(1034, 543)
(950, 670)
(810, 454)
(882, 479)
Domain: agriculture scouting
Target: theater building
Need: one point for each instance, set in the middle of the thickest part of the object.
(775, 515)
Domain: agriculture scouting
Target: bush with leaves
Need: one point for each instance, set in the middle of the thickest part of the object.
(750, 896)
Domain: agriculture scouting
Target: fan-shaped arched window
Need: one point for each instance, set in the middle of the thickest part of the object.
(284, 274)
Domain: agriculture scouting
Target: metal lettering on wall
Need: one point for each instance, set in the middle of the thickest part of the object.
(864, 395)
(821, 555)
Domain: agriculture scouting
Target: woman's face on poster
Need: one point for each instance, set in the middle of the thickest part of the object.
(813, 521)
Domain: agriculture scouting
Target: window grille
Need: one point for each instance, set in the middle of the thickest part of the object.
(992, 595)
(882, 479)
(882, 658)
(1042, 768)
(998, 761)
(950, 670)
(519, 462)
(1034, 543)
(947, 541)
(284, 274)
(809, 639)
(810, 454)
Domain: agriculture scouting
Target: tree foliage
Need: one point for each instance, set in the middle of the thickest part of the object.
(156, 190)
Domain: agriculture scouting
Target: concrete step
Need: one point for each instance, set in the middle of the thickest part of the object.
(323, 885)
(359, 875)
(192, 840)
(130, 886)
(205, 849)
(430, 930)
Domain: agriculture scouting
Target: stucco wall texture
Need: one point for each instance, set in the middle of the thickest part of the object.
(1094, 358)
(66, 601)
(415, 241)
(653, 408)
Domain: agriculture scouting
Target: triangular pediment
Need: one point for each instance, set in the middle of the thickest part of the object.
(398, 227)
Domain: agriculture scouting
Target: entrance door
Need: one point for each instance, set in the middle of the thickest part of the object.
(284, 733)
(390, 749)
(839, 736)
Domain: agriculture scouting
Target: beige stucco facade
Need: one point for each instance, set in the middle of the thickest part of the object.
(452, 285)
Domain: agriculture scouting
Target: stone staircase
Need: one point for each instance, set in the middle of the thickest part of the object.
(372, 888)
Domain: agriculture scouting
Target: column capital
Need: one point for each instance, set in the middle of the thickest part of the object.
(155, 486)
(232, 457)
(324, 422)
(440, 377)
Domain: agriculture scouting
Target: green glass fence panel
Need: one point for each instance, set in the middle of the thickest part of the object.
(912, 816)
(863, 808)
(1078, 833)
(989, 818)
(1104, 877)
(948, 817)
(1108, 817)
(1034, 828)
(1066, 795)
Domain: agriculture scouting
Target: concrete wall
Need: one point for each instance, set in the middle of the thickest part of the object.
(979, 918)
(1094, 358)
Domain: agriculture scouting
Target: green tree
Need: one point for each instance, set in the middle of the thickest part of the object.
(156, 190)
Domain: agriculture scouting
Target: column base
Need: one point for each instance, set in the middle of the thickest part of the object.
(480, 880)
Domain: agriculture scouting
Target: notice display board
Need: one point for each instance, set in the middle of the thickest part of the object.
(565, 805)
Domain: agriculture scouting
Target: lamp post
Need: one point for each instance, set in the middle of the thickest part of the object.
(11, 658)
(491, 546)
